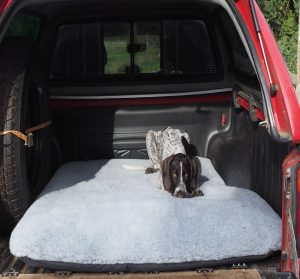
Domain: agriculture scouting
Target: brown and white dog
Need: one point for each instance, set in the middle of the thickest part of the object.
(179, 170)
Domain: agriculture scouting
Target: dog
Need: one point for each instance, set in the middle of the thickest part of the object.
(170, 154)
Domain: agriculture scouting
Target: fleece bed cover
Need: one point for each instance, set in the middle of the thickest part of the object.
(97, 216)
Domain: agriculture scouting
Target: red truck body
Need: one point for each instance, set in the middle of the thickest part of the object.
(285, 111)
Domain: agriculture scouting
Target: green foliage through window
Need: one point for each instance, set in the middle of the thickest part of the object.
(24, 26)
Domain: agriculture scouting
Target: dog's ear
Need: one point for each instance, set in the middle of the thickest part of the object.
(195, 172)
(166, 174)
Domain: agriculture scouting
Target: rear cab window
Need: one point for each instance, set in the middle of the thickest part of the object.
(134, 50)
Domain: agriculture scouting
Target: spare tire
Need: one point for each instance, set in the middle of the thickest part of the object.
(23, 104)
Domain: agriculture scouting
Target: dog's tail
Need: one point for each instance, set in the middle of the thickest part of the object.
(147, 170)
(129, 167)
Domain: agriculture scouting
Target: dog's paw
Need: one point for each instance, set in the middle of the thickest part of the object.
(197, 193)
(151, 170)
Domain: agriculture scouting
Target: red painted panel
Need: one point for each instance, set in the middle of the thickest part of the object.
(245, 104)
(4, 5)
(224, 97)
(287, 263)
(285, 104)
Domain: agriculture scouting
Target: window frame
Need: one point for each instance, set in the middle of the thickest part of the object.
(110, 79)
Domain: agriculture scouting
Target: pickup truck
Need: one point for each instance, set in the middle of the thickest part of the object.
(82, 82)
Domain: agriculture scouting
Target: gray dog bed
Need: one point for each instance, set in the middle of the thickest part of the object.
(97, 215)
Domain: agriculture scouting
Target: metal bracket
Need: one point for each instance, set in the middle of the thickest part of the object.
(239, 266)
(252, 109)
(235, 100)
(205, 270)
(12, 272)
(14, 269)
(287, 183)
(116, 273)
(264, 124)
(63, 273)
(284, 256)
(29, 140)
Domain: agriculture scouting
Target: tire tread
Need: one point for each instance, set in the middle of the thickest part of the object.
(13, 202)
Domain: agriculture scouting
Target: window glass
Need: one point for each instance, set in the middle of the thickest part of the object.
(78, 51)
(187, 48)
(147, 47)
(24, 26)
(105, 49)
(116, 41)
(240, 57)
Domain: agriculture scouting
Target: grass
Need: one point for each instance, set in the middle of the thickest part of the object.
(118, 57)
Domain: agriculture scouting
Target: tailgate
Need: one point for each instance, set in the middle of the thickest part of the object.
(241, 273)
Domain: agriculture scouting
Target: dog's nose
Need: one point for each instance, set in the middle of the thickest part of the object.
(180, 194)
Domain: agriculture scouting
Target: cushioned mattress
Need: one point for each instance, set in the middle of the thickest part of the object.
(100, 216)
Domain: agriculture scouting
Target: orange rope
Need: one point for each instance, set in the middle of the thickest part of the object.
(27, 137)
(38, 127)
